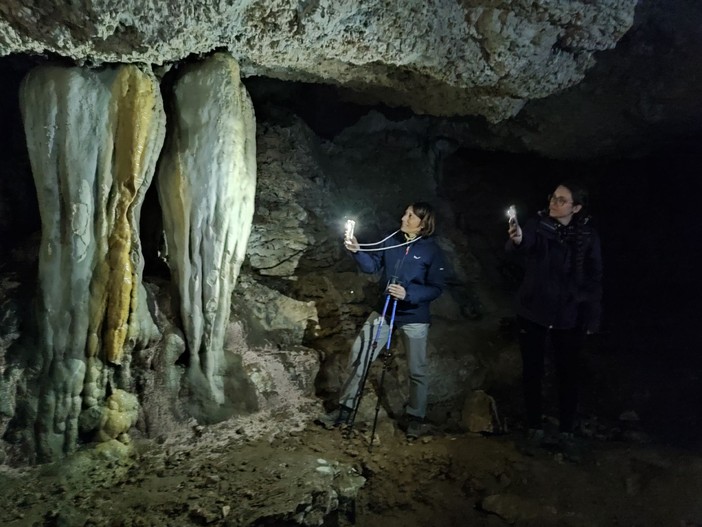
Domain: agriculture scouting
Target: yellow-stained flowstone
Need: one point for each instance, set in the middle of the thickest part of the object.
(93, 139)
(133, 103)
(119, 414)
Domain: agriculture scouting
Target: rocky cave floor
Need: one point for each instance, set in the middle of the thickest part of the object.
(226, 475)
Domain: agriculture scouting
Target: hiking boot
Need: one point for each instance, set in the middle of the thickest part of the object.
(414, 427)
(337, 417)
(570, 447)
(532, 442)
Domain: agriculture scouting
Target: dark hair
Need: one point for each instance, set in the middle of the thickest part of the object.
(425, 212)
(579, 193)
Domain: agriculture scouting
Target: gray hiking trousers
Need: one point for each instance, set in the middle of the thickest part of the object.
(414, 338)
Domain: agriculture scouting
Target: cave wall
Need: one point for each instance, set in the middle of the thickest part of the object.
(298, 299)
(308, 186)
(638, 98)
(298, 292)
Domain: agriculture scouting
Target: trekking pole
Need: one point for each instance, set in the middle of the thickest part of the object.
(386, 362)
(366, 367)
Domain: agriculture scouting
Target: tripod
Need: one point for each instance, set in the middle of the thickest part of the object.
(366, 368)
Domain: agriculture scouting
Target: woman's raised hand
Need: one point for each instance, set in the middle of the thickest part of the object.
(352, 245)
(515, 233)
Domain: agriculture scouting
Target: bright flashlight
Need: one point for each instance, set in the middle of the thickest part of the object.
(512, 215)
(348, 230)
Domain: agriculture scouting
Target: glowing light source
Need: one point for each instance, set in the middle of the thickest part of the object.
(348, 230)
(366, 247)
(512, 214)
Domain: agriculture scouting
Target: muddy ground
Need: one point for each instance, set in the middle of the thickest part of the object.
(224, 475)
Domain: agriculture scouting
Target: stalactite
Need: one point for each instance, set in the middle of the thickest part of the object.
(92, 140)
(206, 184)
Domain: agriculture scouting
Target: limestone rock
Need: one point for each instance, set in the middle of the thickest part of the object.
(480, 413)
(118, 416)
(273, 316)
(446, 58)
(206, 185)
(82, 129)
(281, 377)
(639, 96)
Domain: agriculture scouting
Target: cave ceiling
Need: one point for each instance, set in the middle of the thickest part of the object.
(566, 79)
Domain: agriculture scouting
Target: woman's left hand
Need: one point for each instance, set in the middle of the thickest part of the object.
(397, 291)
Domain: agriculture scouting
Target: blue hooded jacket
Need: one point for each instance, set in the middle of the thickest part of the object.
(418, 267)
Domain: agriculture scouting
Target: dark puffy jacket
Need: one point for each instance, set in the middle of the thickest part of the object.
(418, 267)
(554, 293)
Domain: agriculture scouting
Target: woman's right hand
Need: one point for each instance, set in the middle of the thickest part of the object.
(515, 233)
(352, 245)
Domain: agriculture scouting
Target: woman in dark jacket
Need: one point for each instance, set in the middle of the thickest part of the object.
(412, 268)
(558, 301)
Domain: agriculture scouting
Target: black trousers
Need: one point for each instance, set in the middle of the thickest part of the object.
(567, 345)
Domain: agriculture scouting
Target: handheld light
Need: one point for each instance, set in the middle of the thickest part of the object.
(512, 215)
(348, 230)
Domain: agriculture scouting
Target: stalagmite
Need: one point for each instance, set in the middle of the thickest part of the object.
(206, 184)
(93, 140)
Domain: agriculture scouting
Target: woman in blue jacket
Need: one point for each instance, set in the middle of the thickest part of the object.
(558, 301)
(412, 269)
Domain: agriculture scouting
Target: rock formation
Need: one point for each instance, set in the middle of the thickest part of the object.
(93, 139)
(206, 185)
(471, 57)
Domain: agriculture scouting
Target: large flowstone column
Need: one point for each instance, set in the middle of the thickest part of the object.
(206, 184)
(93, 140)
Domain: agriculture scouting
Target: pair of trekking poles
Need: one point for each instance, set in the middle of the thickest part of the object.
(387, 356)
